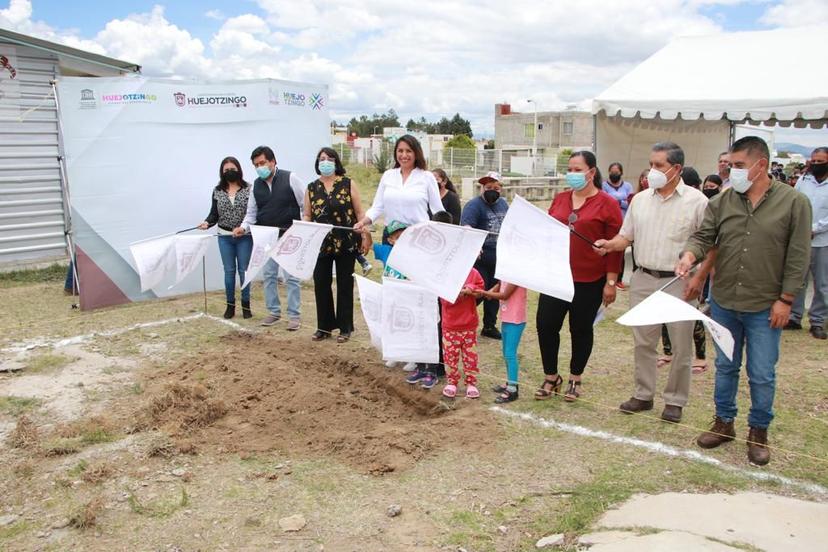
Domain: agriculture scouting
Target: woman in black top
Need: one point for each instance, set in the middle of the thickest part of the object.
(333, 199)
(448, 195)
(228, 209)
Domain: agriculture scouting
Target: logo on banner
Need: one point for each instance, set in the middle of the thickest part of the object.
(294, 99)
(316, 101)
(87, 99)
(430, 241)
(180, 99)
(290, 245)
(273, 96)
(127, 98)
(402, 319)
(209, 100)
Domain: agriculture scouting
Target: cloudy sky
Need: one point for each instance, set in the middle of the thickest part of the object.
(424, 58)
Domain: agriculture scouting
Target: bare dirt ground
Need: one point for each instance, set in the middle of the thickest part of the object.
(190, 435)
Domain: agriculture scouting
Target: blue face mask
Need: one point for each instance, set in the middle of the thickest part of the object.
(263, 171)
(327, 167)
(576, 181)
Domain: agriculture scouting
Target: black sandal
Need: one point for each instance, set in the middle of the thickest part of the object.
(507, 396)
(500, 388)
(573, 391)
(343, 337)
(319, 335)
(554, 388)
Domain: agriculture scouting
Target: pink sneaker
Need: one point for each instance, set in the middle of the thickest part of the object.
(472, 392)
(450, 391)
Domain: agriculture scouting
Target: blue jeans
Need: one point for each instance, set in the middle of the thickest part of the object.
(271, 291)
(752, 331)
(511, 339)
(235, 256)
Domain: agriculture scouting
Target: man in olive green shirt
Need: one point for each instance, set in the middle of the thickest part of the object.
(759, 231)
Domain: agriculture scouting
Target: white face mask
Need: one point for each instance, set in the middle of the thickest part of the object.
(657, 179)
(739, 179)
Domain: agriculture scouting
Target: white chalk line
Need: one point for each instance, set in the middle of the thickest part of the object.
(75, 340)
(661, 448)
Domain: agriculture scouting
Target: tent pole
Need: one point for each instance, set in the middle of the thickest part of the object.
(64, 189)
(204, 281)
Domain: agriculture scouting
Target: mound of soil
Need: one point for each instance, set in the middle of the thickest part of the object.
(303, 398)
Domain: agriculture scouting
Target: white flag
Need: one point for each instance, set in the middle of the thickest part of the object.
(409, 322)
(662, 308)
(533, 251)
(298, 248)
(189, 250)
(370, 300)
(437, 256)
(154, 259)
(264, 240)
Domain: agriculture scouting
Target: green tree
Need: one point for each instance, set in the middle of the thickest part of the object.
(364, 126)
(382, 161)
(460, 141)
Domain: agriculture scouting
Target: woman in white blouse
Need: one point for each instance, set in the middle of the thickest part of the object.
(407, 192)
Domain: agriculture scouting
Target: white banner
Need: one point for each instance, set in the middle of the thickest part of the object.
(189, 250)
(409, 322)
(533, 251)
(437, 256)
(180, 125)
(662, 308)
(264, 240)
(298, 248)
(370, 300)
(154, 259)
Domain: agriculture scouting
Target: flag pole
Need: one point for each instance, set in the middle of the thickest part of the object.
(204, 281)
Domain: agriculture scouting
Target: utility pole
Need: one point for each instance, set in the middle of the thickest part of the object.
(534, 135)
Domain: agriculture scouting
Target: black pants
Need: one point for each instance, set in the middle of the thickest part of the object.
(582, 311)
(328, 319)
(485, 265)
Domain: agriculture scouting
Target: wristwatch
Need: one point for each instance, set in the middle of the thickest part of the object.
(611, 283)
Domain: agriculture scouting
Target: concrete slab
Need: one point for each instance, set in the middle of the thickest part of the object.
(766, 521)
(666, 541)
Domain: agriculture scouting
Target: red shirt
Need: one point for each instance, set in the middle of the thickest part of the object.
(462, 314)
(598, 218)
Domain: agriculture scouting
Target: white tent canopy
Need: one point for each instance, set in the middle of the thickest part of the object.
(695, 89)
(765, 76)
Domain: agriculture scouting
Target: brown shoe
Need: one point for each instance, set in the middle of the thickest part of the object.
(758, 452)
(671, 413)
(635, 405)
(720, 432)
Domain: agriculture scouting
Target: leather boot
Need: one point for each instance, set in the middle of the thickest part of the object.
(720, 432)
(230, 311)
(635, 405)
(246, 313)
(758, 452)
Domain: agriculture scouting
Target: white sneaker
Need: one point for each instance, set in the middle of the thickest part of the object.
(391, 364)
(410, 367)
(366, 268)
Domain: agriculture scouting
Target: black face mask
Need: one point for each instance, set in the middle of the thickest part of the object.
(615, 178)
(710, 192)
(231, 176)
(819, 170)
(490, 196)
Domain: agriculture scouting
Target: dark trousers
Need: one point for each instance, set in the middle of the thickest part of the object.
(328, 319)
(485, 265)
(582, 311)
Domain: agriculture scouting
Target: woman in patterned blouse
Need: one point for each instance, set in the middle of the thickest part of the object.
(228, 210)
(332, 199)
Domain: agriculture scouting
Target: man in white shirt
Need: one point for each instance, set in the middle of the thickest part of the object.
(276, 200)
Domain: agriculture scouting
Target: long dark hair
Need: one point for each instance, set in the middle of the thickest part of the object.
(592, 163)
(414, 144)
(331, 153)
(222, 184)
(443, 176)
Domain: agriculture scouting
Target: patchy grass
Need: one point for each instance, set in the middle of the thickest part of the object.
(51, 274)
(15, 529)
(16, 406)
(86, 516)
(90, 431)
(76, 470)
(47, 363)
(161, 508)
(61, 446)
(97, 473)
(25, 434)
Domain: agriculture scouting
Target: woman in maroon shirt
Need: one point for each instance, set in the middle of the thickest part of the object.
(596, 215)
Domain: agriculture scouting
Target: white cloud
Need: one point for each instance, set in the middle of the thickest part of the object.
(214, 14)
(796, 13)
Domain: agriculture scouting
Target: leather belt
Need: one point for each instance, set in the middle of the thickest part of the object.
(658, 273)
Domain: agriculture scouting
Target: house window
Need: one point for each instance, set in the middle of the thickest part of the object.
(529, 130)
(567, 128)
